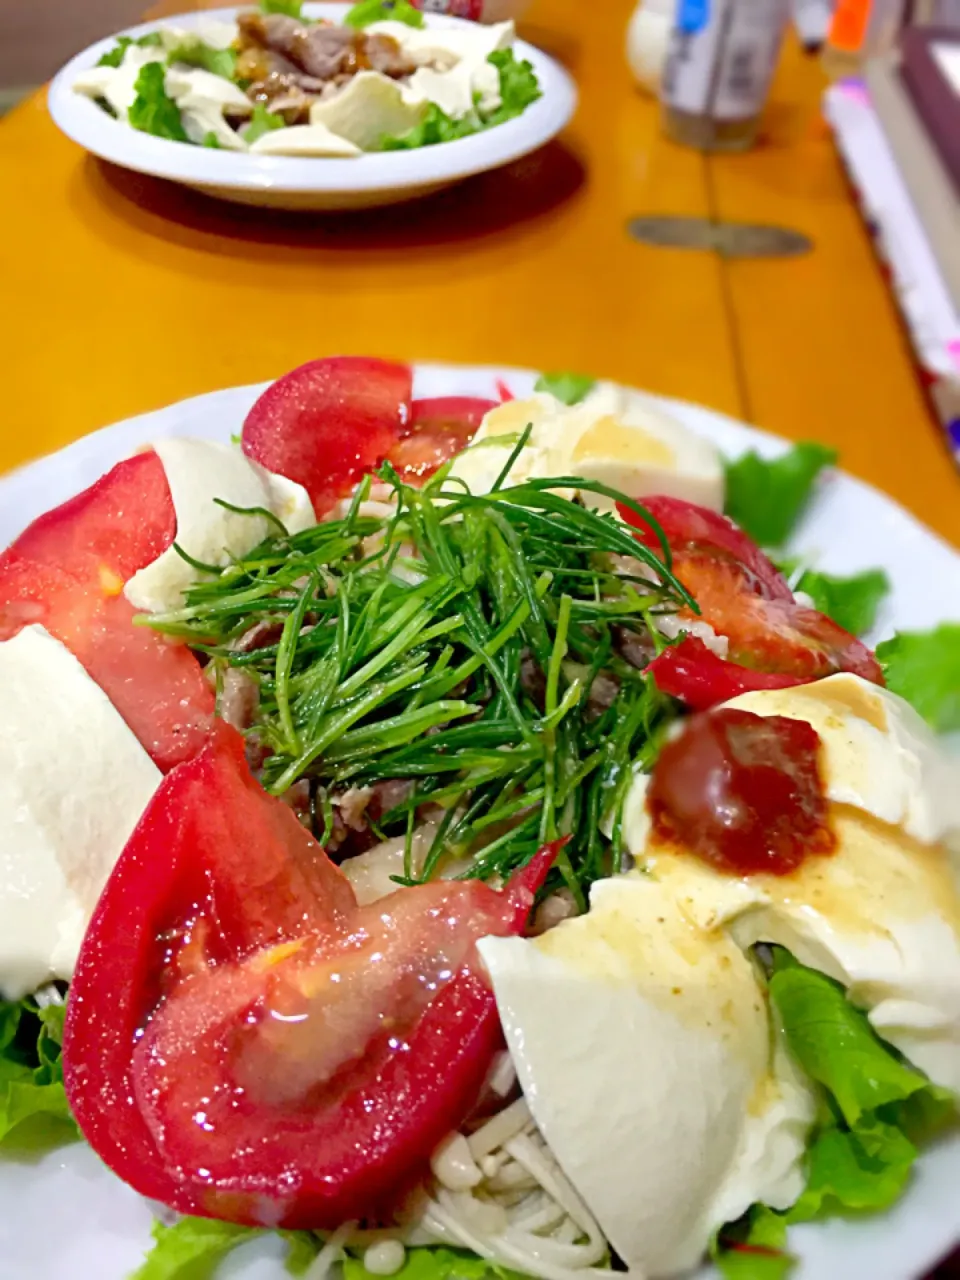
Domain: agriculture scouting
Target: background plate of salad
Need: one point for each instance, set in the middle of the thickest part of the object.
(380, 103)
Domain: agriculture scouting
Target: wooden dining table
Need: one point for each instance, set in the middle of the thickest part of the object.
(126, 293)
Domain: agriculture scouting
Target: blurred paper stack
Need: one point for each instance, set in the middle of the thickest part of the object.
(897, 126)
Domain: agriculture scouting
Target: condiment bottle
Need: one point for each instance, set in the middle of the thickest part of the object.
(861, 29)
(648, 38)
(719, 66)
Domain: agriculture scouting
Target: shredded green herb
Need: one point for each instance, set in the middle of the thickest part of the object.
(470, 647)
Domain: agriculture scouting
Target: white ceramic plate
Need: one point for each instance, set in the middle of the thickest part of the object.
(287, 182)
(63, 1216)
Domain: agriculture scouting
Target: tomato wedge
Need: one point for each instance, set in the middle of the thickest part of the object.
(439, 429)
(691, 530)
(66, 572)
(694, 674)
(244, 1042)
(773, 641)
(329, 422)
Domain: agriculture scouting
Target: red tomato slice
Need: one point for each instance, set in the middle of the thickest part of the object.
(120, 524)
(329, 422)
(689, 528)
(691, 672)
(66, 572)
(243, 1041)
(745, 598)
(439, 430)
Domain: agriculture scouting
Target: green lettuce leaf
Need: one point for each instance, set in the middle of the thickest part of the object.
(874, 1110)
(195, 52)
(33, 1104)
(261, 122)
(434, 127)
(193, 1248)
(864, 1168)
(851, 602)
(924, 668)
(753, 1248)
(766, 499)
(114, 57)
(210, 140)
(437, 1264)
(367, 11)
(153, 111)
(518, 88)
(291, 8)
(569, 388)
(835, 1044)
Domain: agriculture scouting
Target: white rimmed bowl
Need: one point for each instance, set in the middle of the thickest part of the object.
(290, 182)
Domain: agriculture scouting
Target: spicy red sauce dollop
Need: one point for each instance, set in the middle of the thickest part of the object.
(743, 792)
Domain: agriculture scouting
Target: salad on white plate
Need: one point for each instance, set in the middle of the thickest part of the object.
(277, 82)
(436, 830)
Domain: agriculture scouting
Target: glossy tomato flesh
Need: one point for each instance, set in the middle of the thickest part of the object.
(328, 423)
(439, 429)
(66, 573)
(243, 1041)
(773, 641)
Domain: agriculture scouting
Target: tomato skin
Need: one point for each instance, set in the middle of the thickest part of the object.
(122, 522)
(694, 674)
(773, 641)
(439, 429)
(220, 872)
(689, 528)
(329, 422)
(66, 572)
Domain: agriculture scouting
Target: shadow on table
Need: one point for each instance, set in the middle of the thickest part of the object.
(523, 193)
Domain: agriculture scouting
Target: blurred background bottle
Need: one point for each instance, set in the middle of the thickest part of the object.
(719, 67)
(812, 20)
(648, 39)
(861, 29)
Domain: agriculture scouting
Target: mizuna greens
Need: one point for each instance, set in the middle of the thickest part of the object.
(472, 645)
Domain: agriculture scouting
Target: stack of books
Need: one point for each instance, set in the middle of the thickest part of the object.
(898, 130)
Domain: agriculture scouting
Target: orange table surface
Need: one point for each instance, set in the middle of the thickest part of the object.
(124, 293)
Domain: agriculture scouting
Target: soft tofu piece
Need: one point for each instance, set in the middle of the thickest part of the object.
(369, 108)
(198, 472)
(73, 783)
(645, 1051)
(624, 440)
(620, 440)
(882, 913)
(115, 85)
(303, 140)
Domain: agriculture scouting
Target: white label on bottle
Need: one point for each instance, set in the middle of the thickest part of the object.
(812, 19)
(724, 69)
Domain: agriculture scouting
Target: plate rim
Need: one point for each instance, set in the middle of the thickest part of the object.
(91, 128)
(767, 443)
